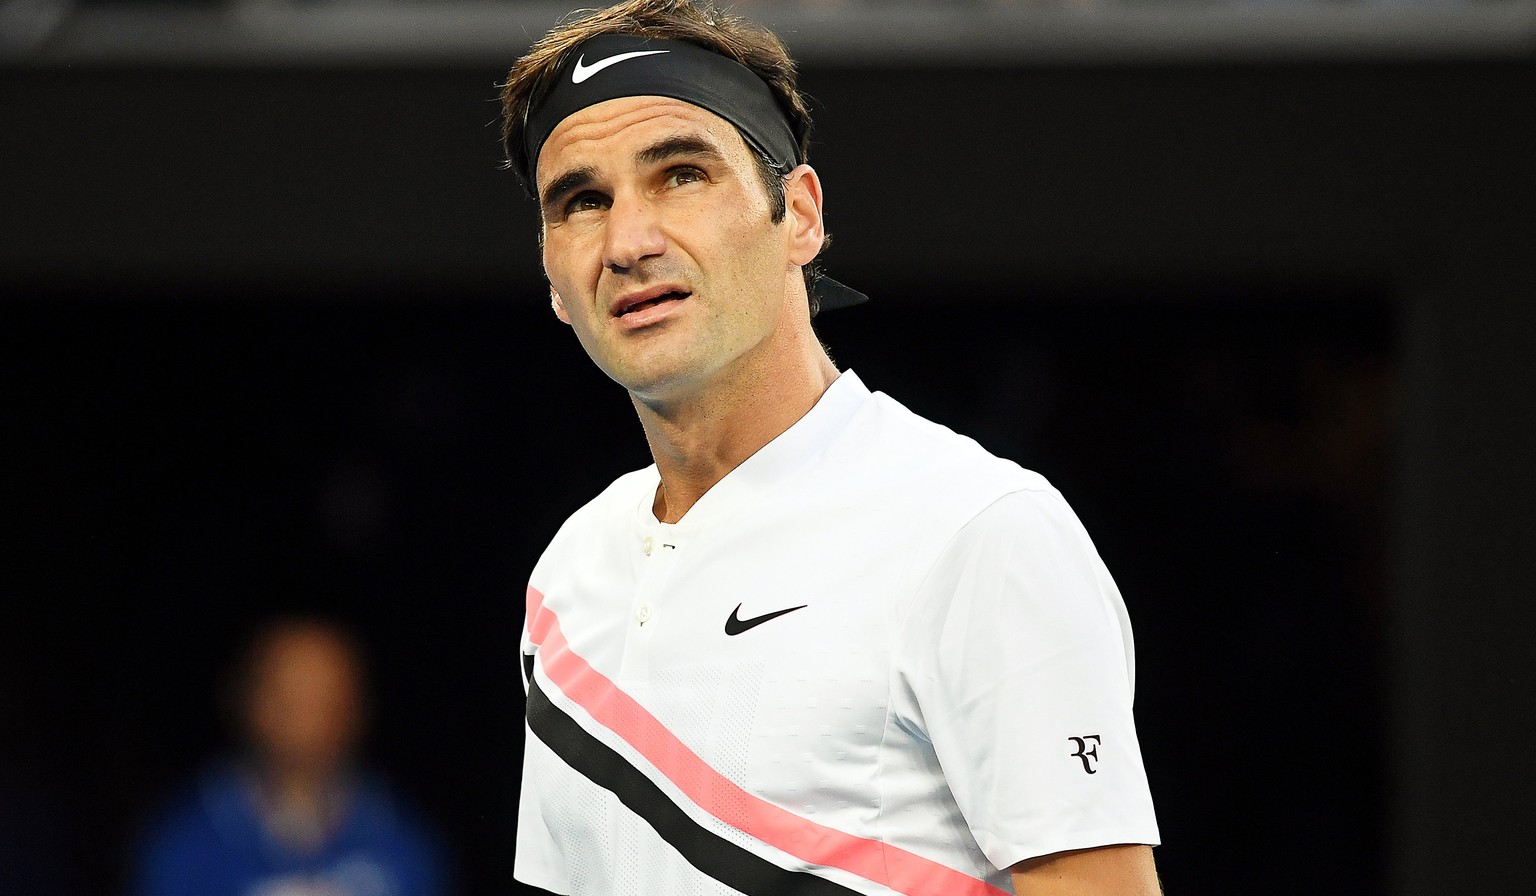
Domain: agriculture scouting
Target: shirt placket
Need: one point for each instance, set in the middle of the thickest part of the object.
(648, 621)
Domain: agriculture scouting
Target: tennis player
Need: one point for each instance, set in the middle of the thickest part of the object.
(821, 645)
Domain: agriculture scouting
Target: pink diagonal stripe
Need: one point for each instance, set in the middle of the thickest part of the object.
(894, 867)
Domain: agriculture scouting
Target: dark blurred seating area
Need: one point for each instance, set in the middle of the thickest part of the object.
(275, 345)
(220, 465)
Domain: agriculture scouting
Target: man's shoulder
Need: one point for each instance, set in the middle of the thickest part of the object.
(894, 440)
(625, 491)
(901, 477)
(204, 815)
(612, 506)
(382, 816)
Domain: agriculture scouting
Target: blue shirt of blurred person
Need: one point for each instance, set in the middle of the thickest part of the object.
(216, 840)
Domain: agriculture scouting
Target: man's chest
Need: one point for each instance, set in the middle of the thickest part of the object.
(777, 673)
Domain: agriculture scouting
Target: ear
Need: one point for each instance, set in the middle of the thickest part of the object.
(558, 305)
(802, 206)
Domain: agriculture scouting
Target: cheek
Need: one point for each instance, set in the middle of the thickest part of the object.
(726, 245)
(554, 267)
(569, 261)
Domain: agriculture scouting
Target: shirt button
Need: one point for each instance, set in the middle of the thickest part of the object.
(647, 545)
(643, 614)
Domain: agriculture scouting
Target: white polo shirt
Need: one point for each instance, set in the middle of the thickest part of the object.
(872, 659)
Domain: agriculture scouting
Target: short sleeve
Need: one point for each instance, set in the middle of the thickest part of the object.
(537, 858)
(1018, 666)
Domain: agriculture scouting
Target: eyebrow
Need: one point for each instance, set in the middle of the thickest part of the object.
(679, 145)
(569, 182)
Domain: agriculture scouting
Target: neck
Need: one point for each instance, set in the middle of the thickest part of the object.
(299, 789)
(301, 805)
(697, 441)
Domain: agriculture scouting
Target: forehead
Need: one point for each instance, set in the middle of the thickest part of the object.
(620, 126)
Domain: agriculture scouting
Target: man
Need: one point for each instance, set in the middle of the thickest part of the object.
(292, 818)
(822, 646)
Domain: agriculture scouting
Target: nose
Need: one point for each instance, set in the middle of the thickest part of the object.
(633, 233)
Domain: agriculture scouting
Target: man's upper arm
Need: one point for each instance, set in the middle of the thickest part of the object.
(1125, 870)
(1018, 661)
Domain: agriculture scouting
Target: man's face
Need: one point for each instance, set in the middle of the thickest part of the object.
(659, 246)
(304, 711)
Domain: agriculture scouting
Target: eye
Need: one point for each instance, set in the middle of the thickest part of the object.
(586, 202)
(686, 174)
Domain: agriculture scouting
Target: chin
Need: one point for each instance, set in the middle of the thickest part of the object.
(658, 386)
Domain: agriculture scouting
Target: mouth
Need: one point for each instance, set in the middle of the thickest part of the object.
(639, 303)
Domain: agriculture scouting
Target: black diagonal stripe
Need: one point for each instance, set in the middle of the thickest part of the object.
(709, 852)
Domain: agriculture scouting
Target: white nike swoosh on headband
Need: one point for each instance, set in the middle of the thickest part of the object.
(583, 72)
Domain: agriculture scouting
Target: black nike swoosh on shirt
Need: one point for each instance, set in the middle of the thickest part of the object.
(736, 625)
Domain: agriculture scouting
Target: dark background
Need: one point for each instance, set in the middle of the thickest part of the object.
(276, 340)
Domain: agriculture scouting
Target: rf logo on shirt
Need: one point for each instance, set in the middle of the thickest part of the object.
(1086, 753)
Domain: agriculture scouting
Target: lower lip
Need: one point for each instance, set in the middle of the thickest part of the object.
(650, 314)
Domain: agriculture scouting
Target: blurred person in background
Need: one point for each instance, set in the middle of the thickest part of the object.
(292, 815)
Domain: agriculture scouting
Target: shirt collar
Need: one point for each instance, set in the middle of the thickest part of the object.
(771, 464)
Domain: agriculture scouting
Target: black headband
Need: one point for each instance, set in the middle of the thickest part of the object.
(610, 66)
